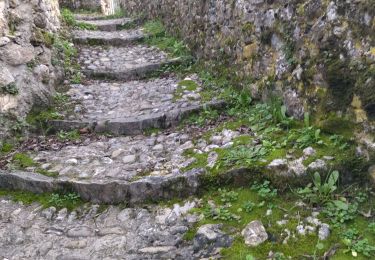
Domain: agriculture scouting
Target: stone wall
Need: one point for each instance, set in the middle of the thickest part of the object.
(27, 77)
(318, 55)
(93, 5)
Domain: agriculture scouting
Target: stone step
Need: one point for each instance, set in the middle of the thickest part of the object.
(120, 169)
(129, 108)
(110, 24)
(90, 17)
(89, 232)
(122, 63)
(115, 38)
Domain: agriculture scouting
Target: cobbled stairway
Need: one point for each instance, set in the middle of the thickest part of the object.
(126, 169)
(120, 98)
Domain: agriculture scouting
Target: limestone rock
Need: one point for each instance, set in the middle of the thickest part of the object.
(210, 236)
(254, 233)
(15, 54)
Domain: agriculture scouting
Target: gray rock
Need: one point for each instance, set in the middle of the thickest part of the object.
(318, 165)
(80, 231)
(324, 231)
(209, 237)
(254, 233)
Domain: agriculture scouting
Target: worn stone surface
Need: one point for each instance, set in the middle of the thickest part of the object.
(87, 233)
(109, 100)
(109, 24)
(121, 62)
(120, 169)
(116, 38)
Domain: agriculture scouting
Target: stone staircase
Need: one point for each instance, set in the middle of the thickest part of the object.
(119, 97)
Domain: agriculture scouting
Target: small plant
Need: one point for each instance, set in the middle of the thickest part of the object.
(67, 200)
(21, 160)
(243, 155)
(356, 245)
(318, 191)
(338, 140)
(6, 148)
(227, 196)
(307, 136)
(220, 213)
(68, 136)
(10, 89)
(248, 206)
(264, 190)
(339, 211)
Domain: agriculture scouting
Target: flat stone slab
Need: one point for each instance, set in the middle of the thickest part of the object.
(120, 169)
(116, 38)
(88, 232)
(123, 63)
(109, 24)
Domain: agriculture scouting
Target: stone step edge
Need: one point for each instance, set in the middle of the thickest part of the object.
(135, 125)
(150, 188)
(115, 41)
(85, 17)
(110, 27)
(146, 190)
(140, 72)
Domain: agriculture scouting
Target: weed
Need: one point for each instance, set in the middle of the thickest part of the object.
(242, 155)
(206, 116)
(305, 137)
(68, 136)
(227, 196)
(220, 213)
(320, 192)
(69, 19)
(264, 190)
(339, 211)
(248, 206)
(21, 160)
(355, 245)
(67, 200)
(158, 37)
(6, 148)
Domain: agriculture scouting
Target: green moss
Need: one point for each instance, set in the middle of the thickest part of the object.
(6, 148)
(23, 161)
(297, 247)
(189, 85)
(64, 200)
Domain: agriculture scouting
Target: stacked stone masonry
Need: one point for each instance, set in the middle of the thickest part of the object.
(283, 46)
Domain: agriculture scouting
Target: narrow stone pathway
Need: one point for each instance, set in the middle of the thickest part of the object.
(137, 167)
(128, 169)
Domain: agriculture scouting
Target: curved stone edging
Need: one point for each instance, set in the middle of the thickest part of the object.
(135, 125)
(113, 41)
(150, 188)
(139, 72)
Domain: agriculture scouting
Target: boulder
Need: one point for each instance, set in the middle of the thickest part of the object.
(254, 233)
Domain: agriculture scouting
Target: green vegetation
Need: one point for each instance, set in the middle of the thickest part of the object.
(157, 36)
(57, 200)
(68, 136)
(236, 207)
(69, 19)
